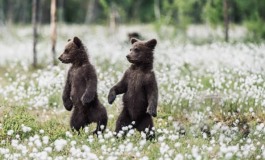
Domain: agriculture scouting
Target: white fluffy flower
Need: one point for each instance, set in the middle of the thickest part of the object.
(41, 131)
(68, 134)
(10, 132)
(59, 144)
(25, 128)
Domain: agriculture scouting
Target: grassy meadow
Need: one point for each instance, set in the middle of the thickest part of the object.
(211, 98)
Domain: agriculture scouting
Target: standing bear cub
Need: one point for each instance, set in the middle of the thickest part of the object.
(139, 87)
(80, 89)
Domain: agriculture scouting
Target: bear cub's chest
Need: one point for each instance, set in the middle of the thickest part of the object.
(77, 76)
(136, 80)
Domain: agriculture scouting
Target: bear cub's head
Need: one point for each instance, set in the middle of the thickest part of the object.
(74, 51)
(141, 51)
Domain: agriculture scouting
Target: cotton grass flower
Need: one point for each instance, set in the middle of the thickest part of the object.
(10, 132)
(41, 131)
(25, 128)
(59, 144)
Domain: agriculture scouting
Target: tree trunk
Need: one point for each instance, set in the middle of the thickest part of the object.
(112, 21)
(10, 12)
(114, 17)
(53, 30)
(2, 15)
(40, 15)
(136, 8)
(35, 35)
(226, 20)
(157, 10)
(60, 10)
(91, 11)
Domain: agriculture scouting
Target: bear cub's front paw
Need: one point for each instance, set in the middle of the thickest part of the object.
(111, 96)
(68, 104)
(151, 111)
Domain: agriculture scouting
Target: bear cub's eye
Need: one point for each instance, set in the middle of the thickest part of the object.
(136, 50)
(66, 50)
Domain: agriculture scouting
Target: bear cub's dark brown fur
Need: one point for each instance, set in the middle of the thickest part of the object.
(139, 87)
(80, 89)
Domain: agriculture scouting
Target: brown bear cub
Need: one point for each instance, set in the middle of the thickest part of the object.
(80, 89)
(135, 35)
(139, 87)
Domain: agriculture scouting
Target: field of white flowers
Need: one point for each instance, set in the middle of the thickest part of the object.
(211, 98)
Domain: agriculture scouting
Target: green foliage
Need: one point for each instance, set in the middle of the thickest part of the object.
(179, 13)
(212, 12)
(104, 5)
(75, 11)
(257, 29)
(252, 14)
(14, 119)
(55, 128)
(54, 100)
(187, 10)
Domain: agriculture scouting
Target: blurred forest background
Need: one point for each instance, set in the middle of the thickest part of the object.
(178, 13)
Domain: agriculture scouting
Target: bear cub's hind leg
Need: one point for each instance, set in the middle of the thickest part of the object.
(146, 125)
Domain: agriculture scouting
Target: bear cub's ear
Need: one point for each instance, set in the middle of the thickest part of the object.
(77, 41)
(151, 43)
(133, 40)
